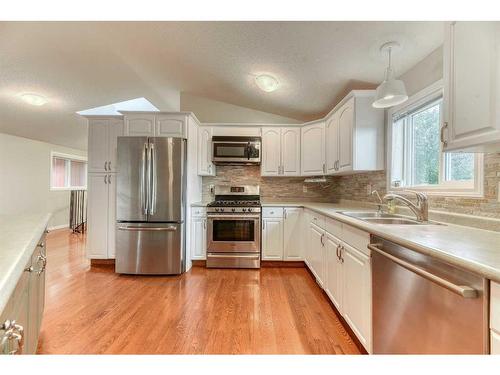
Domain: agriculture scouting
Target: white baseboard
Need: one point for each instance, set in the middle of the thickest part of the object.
(58, 227)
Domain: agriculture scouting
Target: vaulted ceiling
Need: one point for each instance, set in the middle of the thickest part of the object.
(79, 65)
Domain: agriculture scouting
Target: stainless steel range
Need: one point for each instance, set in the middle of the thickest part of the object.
(234, 227)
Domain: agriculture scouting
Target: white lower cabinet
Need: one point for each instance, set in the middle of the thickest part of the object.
(334, 271)
(272, 239)
(317, 249)
(495, 342)
(343, 271)
(101, 218)
(356, 301)
(293, 243)
(198, 237)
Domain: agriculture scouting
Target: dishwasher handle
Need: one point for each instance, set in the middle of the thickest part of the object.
(464, 291)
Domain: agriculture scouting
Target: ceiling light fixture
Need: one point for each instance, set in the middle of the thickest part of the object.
(266, 82)
(391, 91)
(34, 99)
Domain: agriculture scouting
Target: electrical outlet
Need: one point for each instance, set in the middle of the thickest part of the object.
(304, 188)
(368, 189)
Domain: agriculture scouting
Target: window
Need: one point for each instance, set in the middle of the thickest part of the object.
(416, 157)
(68, 172)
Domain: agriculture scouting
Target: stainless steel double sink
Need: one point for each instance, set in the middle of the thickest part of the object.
(384, 218)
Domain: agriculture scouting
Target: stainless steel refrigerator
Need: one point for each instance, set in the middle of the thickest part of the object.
(150, 205)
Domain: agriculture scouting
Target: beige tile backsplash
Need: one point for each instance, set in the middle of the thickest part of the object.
(354, 188)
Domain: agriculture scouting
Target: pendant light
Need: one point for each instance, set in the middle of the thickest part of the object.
(391, 91)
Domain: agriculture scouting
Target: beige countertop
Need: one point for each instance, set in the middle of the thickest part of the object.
(19, 235)
(473, 249)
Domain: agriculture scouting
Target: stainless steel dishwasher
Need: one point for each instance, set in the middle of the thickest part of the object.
(425, 306)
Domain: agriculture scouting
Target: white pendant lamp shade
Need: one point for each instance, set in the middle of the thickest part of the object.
(391, 91)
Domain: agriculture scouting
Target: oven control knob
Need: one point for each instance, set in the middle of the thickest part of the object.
(233, 209)
(249, 210)
(221, 210)
(244, 210)
(216, 210)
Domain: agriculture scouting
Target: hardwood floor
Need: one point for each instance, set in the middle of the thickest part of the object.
(205, 311)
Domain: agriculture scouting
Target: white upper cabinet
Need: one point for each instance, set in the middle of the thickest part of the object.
(103, 135)
(205, 165)
(355, 135)
(271, 152)
(313, 149)
(345, 120)
(471, 87)
(280, 151)
(142, 124)
(290, 151)
(332, 143)
(155, 124)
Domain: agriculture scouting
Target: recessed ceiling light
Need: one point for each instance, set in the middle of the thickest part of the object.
(266, 82)
(34, 99)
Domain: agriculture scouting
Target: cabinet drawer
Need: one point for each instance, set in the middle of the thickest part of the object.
(198, 211)
(495, 306)
(356, 238)
(318, 219)
(333, 227)
(272, 212)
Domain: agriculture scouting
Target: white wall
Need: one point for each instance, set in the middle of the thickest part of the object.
(424, 73)
(25, 178)
(208, 110)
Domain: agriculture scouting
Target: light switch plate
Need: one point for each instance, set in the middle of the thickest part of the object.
(304, 188)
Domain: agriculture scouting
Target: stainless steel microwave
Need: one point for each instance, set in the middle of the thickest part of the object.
(236, 150)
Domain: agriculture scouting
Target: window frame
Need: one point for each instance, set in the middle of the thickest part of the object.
(70, 157)
(423, 99)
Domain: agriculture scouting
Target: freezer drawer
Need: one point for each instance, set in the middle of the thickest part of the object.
(149, 248)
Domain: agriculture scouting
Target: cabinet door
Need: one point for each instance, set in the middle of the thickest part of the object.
(170, 125)
(198, 238)
(345, 130)
(271, 152)
(495, 342)
(140, 125)
(98, 145)
(290, 151)
(115, 130)
(205, 166)
(34, 321)
(313, 149)
(334, 274)
(332, 144)
(272, 239)
(316, 241)
(111, 182)
(292, 234)
(356, 297)
(97, 216)
(472, 89)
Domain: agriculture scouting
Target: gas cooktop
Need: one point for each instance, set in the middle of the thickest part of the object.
(234, 203)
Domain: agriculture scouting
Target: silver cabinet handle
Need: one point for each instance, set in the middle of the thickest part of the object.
(284, 212)
(105, 178)
(105, 165)
(109, 179)
(324, 168)
(14, 333)
(109, 165)
(171, 228)
(441, 135)
(263, 224)
(204, 224)
(464, 291)
(340, 253)
(321, 239)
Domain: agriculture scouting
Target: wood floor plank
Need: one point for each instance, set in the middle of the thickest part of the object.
(205, 311)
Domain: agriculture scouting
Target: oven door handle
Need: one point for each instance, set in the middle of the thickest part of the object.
(236, 217)
(229, 255)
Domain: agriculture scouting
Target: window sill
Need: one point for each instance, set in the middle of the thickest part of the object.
(441, 192)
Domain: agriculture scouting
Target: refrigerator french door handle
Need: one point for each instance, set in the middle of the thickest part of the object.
(144, 173)
(152, 189)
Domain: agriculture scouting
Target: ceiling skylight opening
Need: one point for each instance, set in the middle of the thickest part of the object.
(137, 104)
